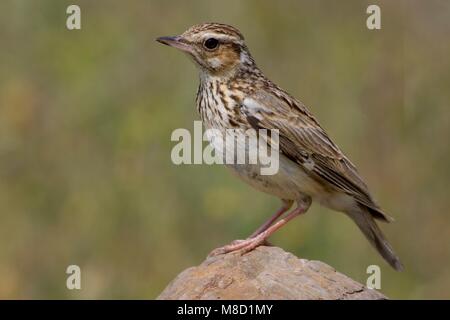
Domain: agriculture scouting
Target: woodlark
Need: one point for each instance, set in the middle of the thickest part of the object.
(234, 93)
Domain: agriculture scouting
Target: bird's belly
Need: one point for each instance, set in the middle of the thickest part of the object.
(290, 182)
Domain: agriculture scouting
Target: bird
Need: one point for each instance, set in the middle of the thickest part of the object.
(233, 93)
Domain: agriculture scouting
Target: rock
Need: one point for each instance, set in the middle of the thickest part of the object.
(264, 273)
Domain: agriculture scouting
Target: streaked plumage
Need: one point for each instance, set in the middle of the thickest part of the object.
(234, 93)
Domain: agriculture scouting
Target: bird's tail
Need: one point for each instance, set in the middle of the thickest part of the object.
(365, 221)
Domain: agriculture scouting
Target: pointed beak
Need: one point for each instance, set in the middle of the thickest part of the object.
(176, 42)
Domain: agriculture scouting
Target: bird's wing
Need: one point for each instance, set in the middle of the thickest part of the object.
(303, 140)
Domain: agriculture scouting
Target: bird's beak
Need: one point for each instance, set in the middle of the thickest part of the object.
(176, 42)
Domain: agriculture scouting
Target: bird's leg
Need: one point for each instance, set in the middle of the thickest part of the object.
(251, 243)
(287, 204)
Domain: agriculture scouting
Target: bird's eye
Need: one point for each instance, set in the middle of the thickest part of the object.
(211, 43)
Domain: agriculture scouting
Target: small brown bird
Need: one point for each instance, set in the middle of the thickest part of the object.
(234, 93)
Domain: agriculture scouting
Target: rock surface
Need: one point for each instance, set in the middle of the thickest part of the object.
(265, 273)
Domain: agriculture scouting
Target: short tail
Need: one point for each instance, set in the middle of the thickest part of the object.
(365, 221)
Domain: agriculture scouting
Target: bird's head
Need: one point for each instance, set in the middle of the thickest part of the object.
(218, 49)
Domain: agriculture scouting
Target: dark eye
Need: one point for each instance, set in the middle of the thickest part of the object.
(211, 43)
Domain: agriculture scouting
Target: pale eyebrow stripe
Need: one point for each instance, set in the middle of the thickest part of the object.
(220, 37)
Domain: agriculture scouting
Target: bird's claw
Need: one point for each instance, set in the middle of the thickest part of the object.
(240, 246)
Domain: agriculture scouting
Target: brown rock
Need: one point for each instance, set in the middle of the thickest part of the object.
(264, 273)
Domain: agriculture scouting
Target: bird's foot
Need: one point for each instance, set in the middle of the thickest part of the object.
(242, 246)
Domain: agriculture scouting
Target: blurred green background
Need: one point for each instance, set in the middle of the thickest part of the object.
(86, 118)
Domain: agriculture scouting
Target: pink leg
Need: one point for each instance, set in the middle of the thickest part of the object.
(251, 243)
(286, 205)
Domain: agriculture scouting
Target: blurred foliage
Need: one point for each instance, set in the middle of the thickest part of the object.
(86, 118)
